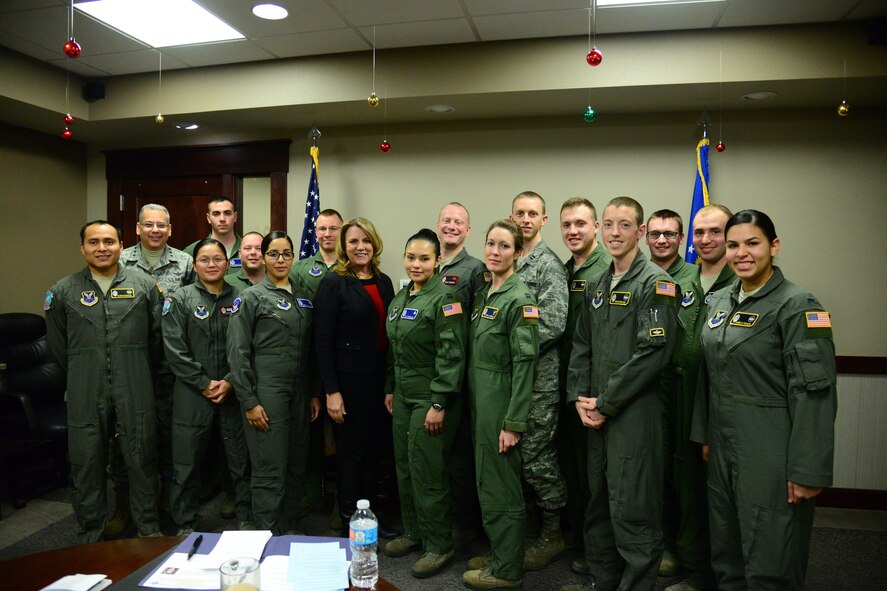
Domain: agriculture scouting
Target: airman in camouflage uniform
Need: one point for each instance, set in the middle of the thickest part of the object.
(544, 275)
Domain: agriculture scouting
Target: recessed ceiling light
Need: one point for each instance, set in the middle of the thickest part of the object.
(271, 12)
(760, 95)
(187, 126)
(440, 109)
(161, 23)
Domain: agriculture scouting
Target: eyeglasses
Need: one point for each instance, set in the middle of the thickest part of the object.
(151, 225)
(274, 255)
(655, 234)
(216, 260)
(324, 230)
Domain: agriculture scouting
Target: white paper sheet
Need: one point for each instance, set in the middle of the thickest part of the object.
(180, 573)
(79, 582)
(317, 567)
(234, 544)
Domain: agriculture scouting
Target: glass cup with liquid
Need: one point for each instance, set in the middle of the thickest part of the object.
(240, 574)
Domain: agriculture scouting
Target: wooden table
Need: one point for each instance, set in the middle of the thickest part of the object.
(126, 562)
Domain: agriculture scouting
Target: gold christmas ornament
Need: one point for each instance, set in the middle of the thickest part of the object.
(844, 109)
(373, 100)
(159, 119)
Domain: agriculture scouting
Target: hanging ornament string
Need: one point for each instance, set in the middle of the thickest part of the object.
(721, 146)
(594, 57)
(373, 99)
(385, 146)
(159, 119)
(844, 107)
(71, 47)
(66, 132)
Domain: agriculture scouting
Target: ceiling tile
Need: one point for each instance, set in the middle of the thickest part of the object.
(226, 52)
(766, 12)
(132, 62)
(314, 43)
(532, 24)
(361, 12)
(868, 9)
(304, 16)
(27, 47)
(697, 15)
(485, 7)
(441, 32)
(15, 5)
(79, 67)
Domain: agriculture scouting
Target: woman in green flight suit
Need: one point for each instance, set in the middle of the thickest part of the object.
(268, 349)
(765, 410)
(504, 347)
(426, 363)
(195, 324)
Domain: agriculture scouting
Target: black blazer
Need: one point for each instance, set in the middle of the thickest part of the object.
(346, 327)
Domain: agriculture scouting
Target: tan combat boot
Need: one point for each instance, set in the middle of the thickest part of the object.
(550, 545)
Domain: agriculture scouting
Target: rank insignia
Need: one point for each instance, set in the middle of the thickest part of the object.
(490, 313)
(657, 332)
(304, 303)
(744, 319)
(474, 313)
(226, 310)
(393, 314)
(167, 306)
(530, 311)
(315, 271)
(687, 298)
(814, 319)
(665, 288)
(87, 298)
(122, 293)
(488, 277)
(409, 314)
(283, 304)
(578, 285)
(234, 263)
(452, 309)
(598, 299)
(718, 319)
(235, 305)
(47, 303)
(200, 312)
(451, 280)
(621, 298)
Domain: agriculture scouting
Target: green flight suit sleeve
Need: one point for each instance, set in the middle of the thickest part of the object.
(579, 370)
(809, 354)
(390, 382)
(554, 304)
(155, 336)
(524, 345)
(239, 346)
(655, 341)
(699, 426)
(57, 327)
(175, 343)
(449, 363)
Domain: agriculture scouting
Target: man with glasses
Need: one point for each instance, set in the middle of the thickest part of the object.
(221, 216)
(171, 268)
(665, 234)
(309, 271)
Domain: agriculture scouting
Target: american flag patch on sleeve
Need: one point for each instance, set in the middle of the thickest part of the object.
(531, 312)
(818, 320)
(665, 288)
(452, 309)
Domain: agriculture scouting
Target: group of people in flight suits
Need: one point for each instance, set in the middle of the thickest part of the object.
(667, 418)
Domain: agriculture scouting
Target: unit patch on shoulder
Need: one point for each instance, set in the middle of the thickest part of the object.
(620, 298)
(687, 298)
(304, 303)
(718, 319)
(452, 309)
(393, 314)
(490, 313)
(235, 305)
(666, 288)
(283, 304)
(578, 285)
(47, 302)
(818, 319)
(657, 332)
(744, 319)
(200, 312)
(530, 311)
(450, 280)
(598, 299)
(122, 293)
(315, 271)
(167, 306)
(409, 314)
(87, 298)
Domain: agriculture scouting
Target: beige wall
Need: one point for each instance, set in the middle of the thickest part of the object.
(42, 206)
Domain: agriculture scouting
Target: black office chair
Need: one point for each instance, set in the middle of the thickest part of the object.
(33, 413)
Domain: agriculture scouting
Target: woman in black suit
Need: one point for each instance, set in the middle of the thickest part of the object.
(352, 350)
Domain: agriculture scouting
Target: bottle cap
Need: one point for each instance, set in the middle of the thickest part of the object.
(363, 504)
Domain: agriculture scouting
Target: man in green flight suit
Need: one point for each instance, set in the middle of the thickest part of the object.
(252, 265)
(665, 234)
(579, 227)
(103, 327)
(624, 337)
(688, 470)
(221, 216)
(308, 271)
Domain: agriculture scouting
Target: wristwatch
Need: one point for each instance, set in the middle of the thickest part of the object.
(438, 407)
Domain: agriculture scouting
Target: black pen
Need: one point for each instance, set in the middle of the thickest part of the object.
(195, 546)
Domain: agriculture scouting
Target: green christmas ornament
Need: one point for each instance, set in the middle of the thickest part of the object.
(589, 115)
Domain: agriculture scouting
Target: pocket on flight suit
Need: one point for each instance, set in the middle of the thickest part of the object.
(84, 441)
(811, 362)
(498, 479)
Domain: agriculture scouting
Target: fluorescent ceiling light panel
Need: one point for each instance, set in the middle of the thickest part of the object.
(625, 3)
(161, 23)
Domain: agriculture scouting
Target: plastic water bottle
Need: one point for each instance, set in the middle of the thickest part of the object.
(364, 534)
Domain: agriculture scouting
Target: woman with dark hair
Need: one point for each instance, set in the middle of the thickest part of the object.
(504, 347)
(195, 324)
(268, 348)
(352, 350)
(426, 329)
(765, 413)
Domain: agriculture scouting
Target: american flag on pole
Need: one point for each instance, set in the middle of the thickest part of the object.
(700, 194)
(308, 246)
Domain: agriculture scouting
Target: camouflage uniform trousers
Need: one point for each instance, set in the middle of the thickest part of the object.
(541, 469)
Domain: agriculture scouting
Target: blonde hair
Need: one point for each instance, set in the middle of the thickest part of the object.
(344, 267)
(516, 234)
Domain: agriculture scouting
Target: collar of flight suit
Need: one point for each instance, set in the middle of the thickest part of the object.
(774, 282)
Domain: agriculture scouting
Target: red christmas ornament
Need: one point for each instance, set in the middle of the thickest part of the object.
(68, 119)
(72, 48)
(67, 134)
(720, 147)
(385, 146)
(594, 57)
